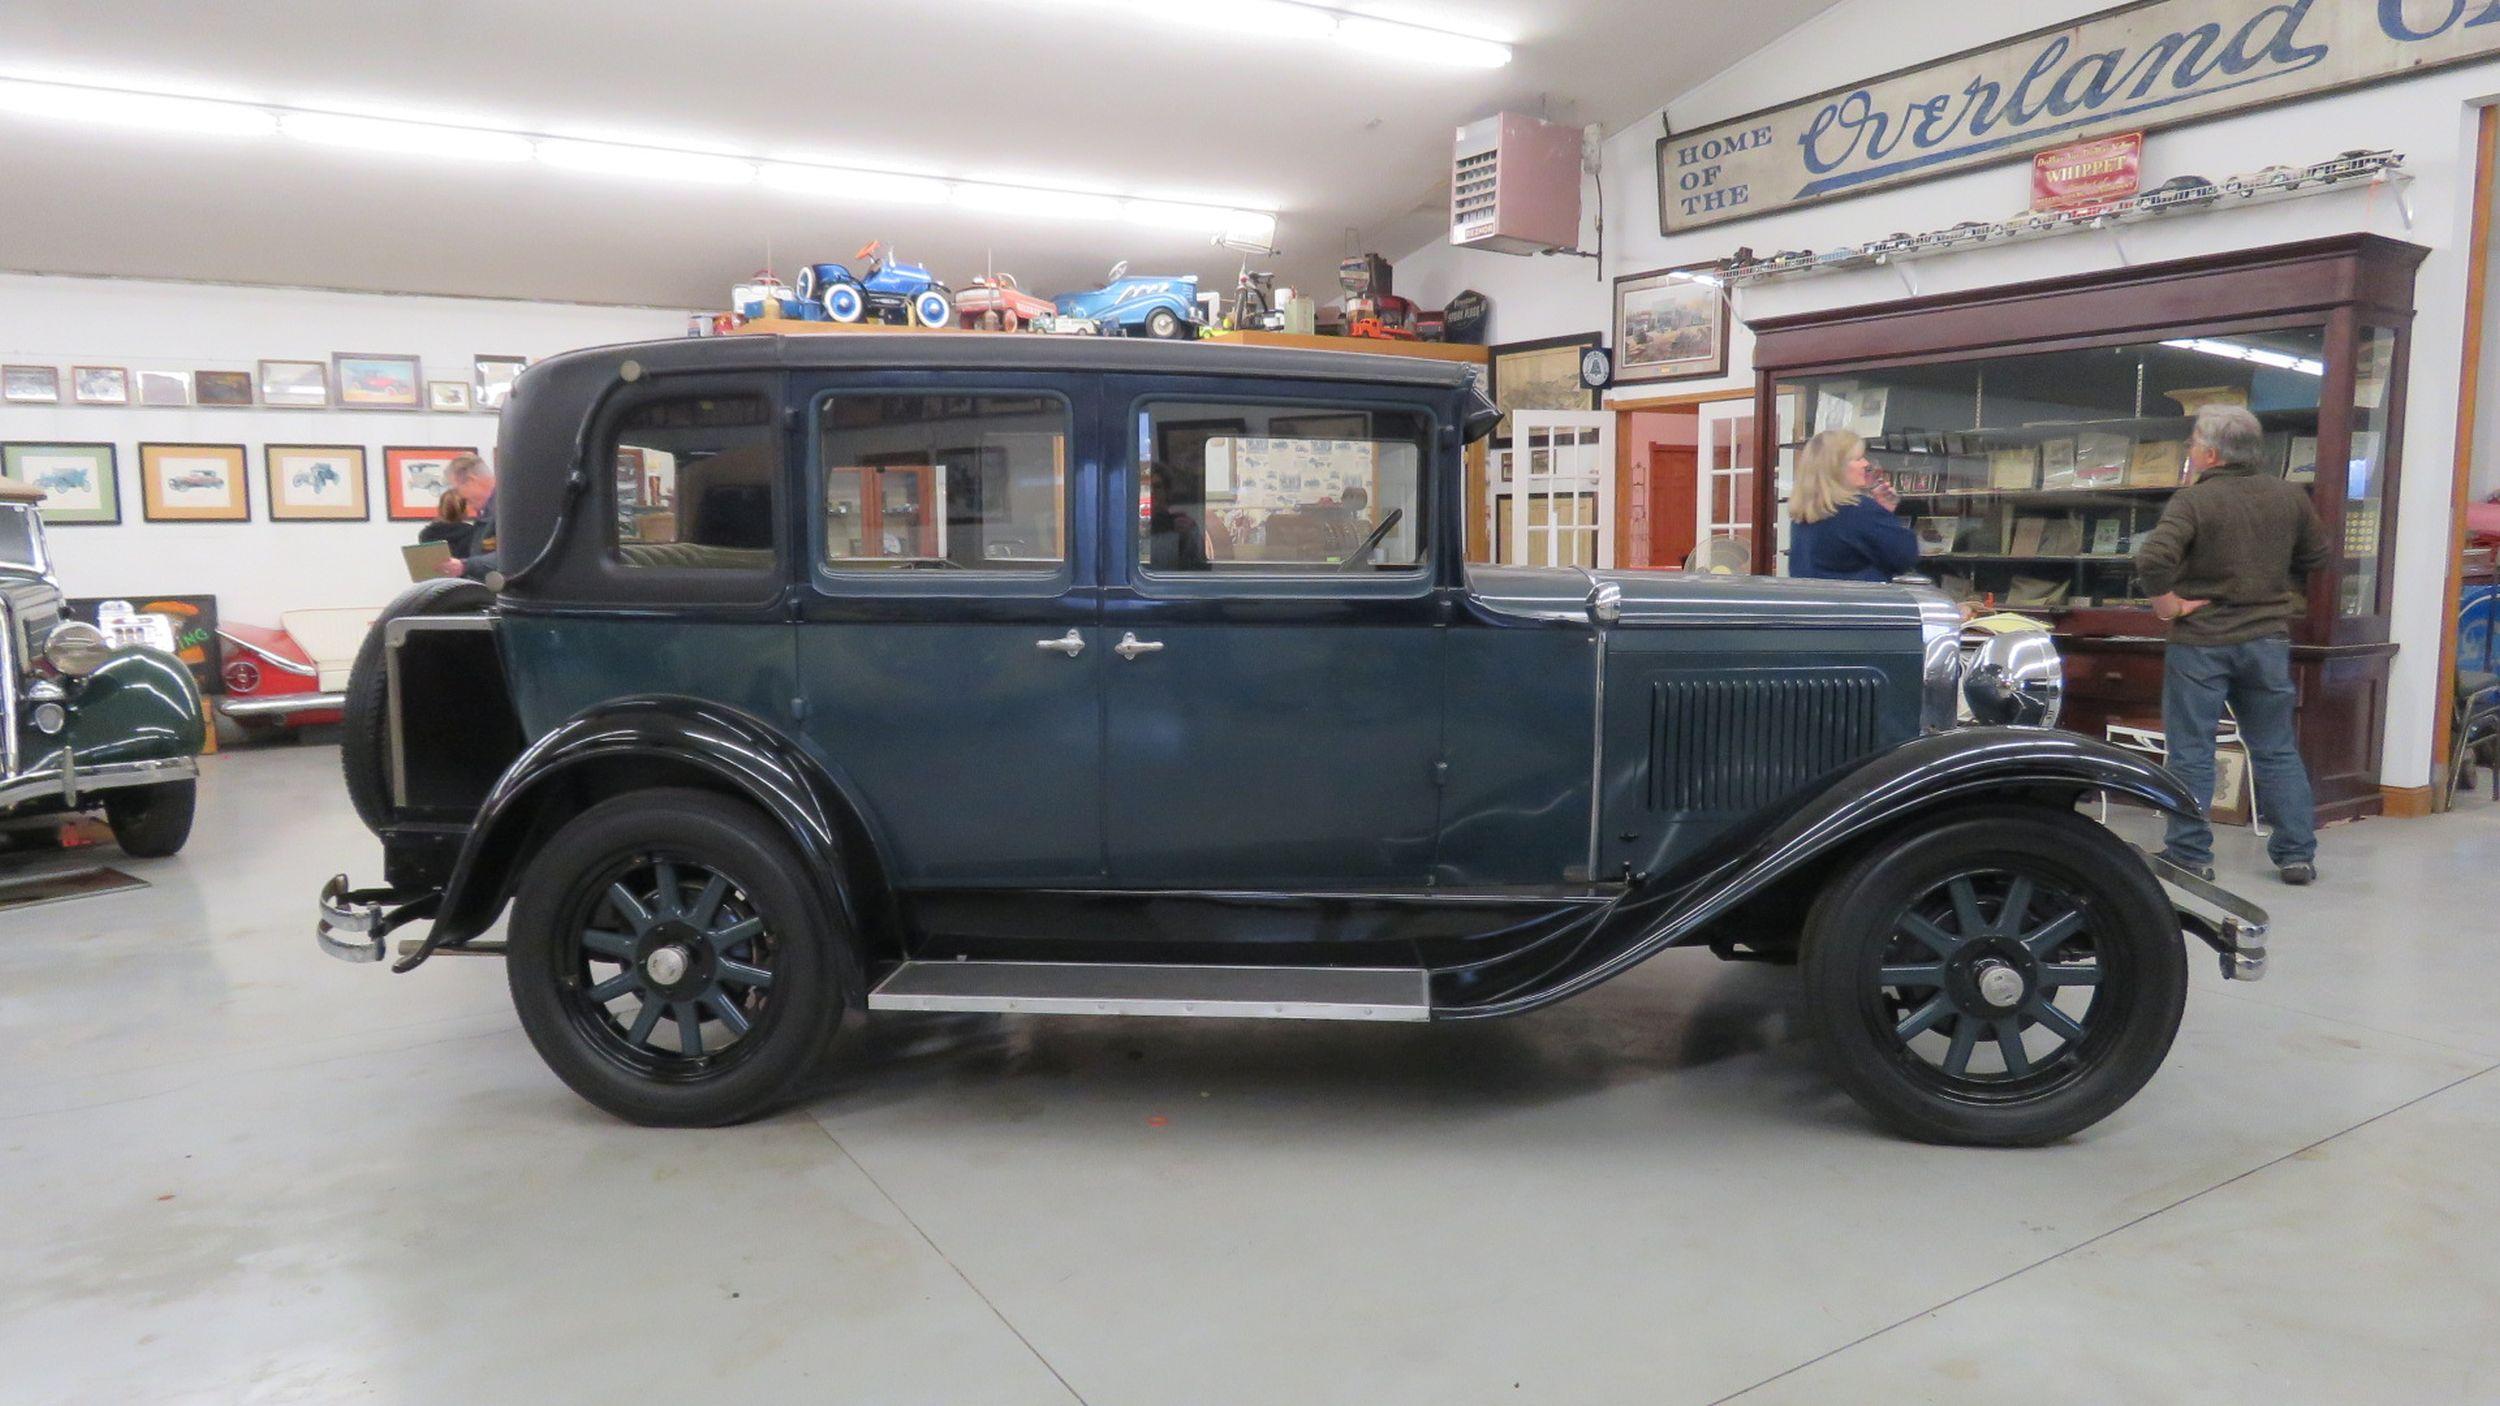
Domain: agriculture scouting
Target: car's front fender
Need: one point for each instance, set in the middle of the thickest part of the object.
(139, 705)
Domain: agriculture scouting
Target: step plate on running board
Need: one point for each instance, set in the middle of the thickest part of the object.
(1242, 993)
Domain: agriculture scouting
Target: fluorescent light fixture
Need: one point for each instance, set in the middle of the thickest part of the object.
(1268, 19)
(1248, 230)
(1391, 40)
(646, 162)
(1172, 214)
(1036, 202)
(404, 138)
(836, 183)
(155, 112)
(1306, 22)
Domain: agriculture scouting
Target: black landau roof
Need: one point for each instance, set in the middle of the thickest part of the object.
(1013, 351)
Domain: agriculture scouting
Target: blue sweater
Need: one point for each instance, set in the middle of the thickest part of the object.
(1861, 542)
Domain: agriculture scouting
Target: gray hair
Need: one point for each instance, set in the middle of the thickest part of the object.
(2232, 433)
(463, 467)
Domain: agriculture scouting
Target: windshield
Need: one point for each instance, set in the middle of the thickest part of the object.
(21, 540)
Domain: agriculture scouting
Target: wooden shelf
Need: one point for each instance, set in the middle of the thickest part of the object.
(1376, 346)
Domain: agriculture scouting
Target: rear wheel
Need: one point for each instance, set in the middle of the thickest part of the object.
(842, 302)
(1164, 324)
(151, 822)
(2005, 978)
(364, 722)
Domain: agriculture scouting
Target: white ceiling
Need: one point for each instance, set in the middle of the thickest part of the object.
(1012, 90)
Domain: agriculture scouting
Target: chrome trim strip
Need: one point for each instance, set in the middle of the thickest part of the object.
(73, 783)
(9, 642)
(280, 705)
(1597, 748)
(1103, 988)
(287, 665)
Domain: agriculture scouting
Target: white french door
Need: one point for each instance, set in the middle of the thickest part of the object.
(1553, 491)
(1724, 506)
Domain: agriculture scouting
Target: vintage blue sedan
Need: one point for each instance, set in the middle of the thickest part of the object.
(1080, 677)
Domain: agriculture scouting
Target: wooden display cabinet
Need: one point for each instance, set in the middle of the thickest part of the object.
(2037, 430)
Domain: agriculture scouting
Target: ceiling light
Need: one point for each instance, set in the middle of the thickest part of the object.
(1268, 19)
(835, 183)
(1308, 22)
(404, 138)
(1390, 40)
(648, 162)
(1045, 204)
(106, 107)
(1170, 214)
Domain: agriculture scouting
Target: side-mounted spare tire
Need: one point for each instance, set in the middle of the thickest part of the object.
(364, 732)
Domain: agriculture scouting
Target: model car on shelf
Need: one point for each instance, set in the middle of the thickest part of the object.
(1078, 726)
(86, 725)
(1165, 308)
(293, 674)
(891, 291)
(994, 303)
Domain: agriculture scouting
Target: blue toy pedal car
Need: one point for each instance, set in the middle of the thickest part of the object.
(1164, 308)
(893, 291)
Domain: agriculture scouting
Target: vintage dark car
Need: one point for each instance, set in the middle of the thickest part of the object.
(86, 724)
(1021, 674)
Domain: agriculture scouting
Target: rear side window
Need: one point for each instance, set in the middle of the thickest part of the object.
(1249, 490)
(695, 483)
(945, 482)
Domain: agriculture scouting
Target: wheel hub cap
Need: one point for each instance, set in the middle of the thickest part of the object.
(667, 965)
(1999, 985)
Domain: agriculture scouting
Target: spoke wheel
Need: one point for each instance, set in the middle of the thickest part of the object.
(672, 967)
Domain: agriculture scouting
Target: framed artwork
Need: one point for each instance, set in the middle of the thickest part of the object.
(193, 483)
(314, 482)
(414, 478)
(1539, 375)
(1670, 326)
(447, 395)
(222, 388)
(494, 379)
(372, 382)
(79, 481)
(295, 385)
(99, 385)
(30, 385)
(164, 388)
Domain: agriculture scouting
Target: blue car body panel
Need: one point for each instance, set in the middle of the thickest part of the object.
(1127, 303)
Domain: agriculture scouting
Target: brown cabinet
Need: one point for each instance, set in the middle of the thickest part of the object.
(2036, 431)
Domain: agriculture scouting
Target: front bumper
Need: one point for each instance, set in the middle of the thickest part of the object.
(2231, 925)
(354, 922)
(70, 783)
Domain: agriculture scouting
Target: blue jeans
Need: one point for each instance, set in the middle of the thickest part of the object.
(2256, 679)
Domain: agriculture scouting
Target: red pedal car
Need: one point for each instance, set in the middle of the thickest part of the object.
(996, 304)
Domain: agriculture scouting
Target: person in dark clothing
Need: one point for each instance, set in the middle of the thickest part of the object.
(451, 525)
(468, 476)
(2228, 566)
(1845, 528)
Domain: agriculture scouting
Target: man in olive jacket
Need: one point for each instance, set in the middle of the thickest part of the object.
(2228, 565)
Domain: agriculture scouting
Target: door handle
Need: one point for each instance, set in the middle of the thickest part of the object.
(1070, 644)
(1130, 646)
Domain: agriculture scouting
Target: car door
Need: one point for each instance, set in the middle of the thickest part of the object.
(1271, 683)
(948, 655)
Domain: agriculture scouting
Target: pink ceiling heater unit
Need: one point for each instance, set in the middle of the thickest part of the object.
(1515, 185)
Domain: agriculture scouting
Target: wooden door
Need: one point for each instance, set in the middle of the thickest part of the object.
(1674, 496)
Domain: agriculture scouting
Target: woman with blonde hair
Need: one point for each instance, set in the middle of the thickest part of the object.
(1845, 528)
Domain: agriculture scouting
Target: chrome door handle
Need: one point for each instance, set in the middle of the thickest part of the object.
(1130, 646)
(1070, 644)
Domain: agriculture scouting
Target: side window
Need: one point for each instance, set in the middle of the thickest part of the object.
(695, 479)
(945, 482)
(1280, 490)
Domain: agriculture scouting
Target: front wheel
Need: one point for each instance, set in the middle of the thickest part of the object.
(843, 302)
(671, 965)
(1164, 324)
(151, 822)
(2004, 978)
(933, 309)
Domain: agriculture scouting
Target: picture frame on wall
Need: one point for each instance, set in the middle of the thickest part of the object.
(1540, 375)
(81, 483)
(99, 385)
(447, 395)
(165, 388)
(315, 482)
(495, 375)
(30, 385)
(375, 381)
(295, 385)
(1670, 325)
(223, 389)
(413, 478)
(194, 483)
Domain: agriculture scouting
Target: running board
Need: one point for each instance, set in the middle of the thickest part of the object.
(1084, 988)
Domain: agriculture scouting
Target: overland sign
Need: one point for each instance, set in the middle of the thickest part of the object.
(2144, 66)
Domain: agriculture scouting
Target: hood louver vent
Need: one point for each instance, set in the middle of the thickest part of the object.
(1742, 741)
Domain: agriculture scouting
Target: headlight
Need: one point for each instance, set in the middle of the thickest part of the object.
(75, 647)
(2017, 680)
(1940, 633)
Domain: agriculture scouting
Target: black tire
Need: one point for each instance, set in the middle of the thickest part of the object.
(151, 822)
(1165, 325)
(364, 725)
(628, 1051)
(1902, 954)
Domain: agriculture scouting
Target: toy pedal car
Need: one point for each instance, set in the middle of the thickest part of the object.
(892, 291)
(995, 304)
(1162, 308)
(1072, 724)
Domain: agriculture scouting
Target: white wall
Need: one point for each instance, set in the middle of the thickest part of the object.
(260, 568)
(2429, 118)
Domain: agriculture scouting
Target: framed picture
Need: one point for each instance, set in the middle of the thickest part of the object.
(30, 385)
(193, 483)
(315, 482)
(1669, 326)
(99, 385)
(447, 395)
(164, 388)
(414, 478)
(295, 385)
(1539, 375)
(79, 481)
(494, 379)
(372, 382)
(222, 388)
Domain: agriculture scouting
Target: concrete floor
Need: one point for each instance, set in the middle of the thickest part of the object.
(236, 1171)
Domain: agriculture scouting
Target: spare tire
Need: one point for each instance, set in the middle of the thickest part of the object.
(364, 731)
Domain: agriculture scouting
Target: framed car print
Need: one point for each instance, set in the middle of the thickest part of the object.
(1539, 375)
(415, 477)
(166, 388)
(99, 385)
(1670, 325)
(231, 389)
(447, 395)
(366, 381)
(79, 481)
(315, 482)
(30, 385)
(295, 385)
(193, 483)
(495, 375)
